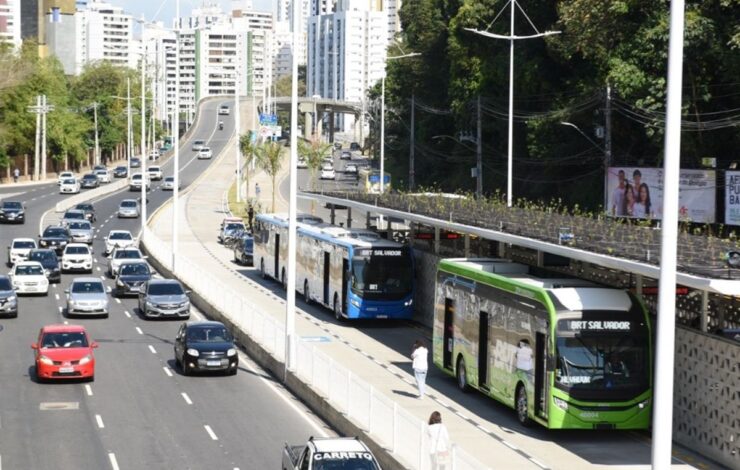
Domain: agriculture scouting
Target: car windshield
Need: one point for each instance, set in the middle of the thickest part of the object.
(12, 205)
(234, 226)
(80, 226)
(165, 289)
(382, 272)
(136, 176)
(101, 172)
(77, 250)
(24, 244)
(89, 177)
(154, 169)
(170, 179)
(127, 254)
(128, 204)
(55, 232)
(69, 181)
(343, 461)
(248, 244)
(74, 215)
(75, 339)
(29, 270)
(84, 207)
(120, 236)
(42, 256)
(208, 334)
(120, 168)
(87, 288)
(5, 284)
(135, 269)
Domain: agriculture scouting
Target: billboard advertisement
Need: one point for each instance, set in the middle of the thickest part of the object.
(638, 193)
(732, 197)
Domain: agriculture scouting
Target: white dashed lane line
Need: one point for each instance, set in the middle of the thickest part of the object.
(118, 301)
(113, 461)
(138, 330)
(99, 420)
(56, 296)
(186, 398)
(167, 371)
(210, 432)
(88, 390)
(151, 348)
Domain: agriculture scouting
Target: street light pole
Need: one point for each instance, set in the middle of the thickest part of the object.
(237, 131)
(144, 176)
(97, 145)
(129, 125)
(176, 143)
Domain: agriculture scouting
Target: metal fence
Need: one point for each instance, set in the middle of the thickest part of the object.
(402, 434)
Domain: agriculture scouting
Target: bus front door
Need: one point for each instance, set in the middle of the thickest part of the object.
(483, 351)
(327, 273)
(345, 280)
(540, 374)
(449, 328)
(276, 274)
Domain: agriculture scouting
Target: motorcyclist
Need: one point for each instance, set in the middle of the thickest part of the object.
(220, 125)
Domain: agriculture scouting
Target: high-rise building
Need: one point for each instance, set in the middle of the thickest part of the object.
(282, 49)
(104, 33)
(285, 14)
(394, 22)
(260, 26)
(10, 22)
(160, 46)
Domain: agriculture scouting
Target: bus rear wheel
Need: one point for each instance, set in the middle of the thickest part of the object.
(337, 309)
(522, 406)
(461, 374)
(283, 280)
(262, 269)
(306, 296)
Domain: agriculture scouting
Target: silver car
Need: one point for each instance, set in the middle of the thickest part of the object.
(82, 232)
(8, 299)
(73, 215)
(87, 296)
(123, 255)
(128, 208)
(164, 298)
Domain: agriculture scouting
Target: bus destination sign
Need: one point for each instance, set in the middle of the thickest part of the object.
(595, 325)
(380, 252)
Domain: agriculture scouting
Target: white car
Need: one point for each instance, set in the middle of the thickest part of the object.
(224, 109)
(198, 144)
(69, 186)
(65, 175)
(205, 153)
(77, 257)
(302, 163)
(169, 184)
(350, 169)
(327, 173)
(136, 181)
(103, 175)
(19, 249)
(155, 173)
(28, 278)
(154, 154)
(118, 239)
(123, 255)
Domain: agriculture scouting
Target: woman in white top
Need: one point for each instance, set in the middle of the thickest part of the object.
(439, 442)
(420, 366)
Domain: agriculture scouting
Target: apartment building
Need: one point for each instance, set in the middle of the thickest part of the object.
(104, 32)
(160, 47)
(10, 22)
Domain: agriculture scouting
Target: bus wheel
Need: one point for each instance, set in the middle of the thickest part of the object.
(337, 309)
(283, 281)
(262, 269)
(461, 373)
(522, 406)
(306, 296)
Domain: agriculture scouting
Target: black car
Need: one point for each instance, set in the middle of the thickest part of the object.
(354, 146)
(337, 146)
(205, 346)
(130, 278)
(90, 180)
(12, 211)
(49, 260)
(88, 209)
(136, 162)
(120, 172)
(55, 238)
(244, 250)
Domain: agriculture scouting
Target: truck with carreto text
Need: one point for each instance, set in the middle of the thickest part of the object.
(332, 453)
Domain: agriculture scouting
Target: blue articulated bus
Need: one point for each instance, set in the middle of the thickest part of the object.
(353, 272)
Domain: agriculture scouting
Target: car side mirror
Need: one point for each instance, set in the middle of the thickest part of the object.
(108, 289)
(94, 345)
(145, 257)
(34, 346)
(188, 292)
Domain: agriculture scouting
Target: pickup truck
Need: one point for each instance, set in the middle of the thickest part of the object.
(331, 453)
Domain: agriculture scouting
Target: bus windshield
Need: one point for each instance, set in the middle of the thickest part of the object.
(382, 272)
(603, 354)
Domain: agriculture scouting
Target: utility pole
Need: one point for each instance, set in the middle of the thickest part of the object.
(412, 182)
(479, 156)
(237, 131)
(36, 109)
(45, 108)
(129, 125)
(144, 174)
(608, 142)
(97, 144)
(176, 143)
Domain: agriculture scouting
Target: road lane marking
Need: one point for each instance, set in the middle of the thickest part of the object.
(539, 464)
(151, 348)
(118, 301)
(59, 405)
(99, 420)
(88, 389)
(113, 461)
(102, 277)
(512, 446)
(98, 268)
(167, 371)
(138, 330)
(210, 432)
(186, 398)
(127, 314)
(56, 296)
(60, 309)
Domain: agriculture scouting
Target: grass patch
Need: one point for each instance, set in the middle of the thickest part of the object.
(239, 209)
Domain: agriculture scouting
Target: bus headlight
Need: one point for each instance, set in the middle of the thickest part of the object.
(562, 404)
(354, 302)
(408, 303)
(644, 404)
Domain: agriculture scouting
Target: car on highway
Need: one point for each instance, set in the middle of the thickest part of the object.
(135, 162)
(337, 146)
(244, 250)
(73, 215)
(103, 175)
(329, 453)
(205, 153)
(302, 162)
(136, 180)
(354, 147)
(99, 167)
(55, 237)
(90, 180)
(131, 277)
(169, 184)
(88, 209)
(87, 296)
(327, 172)
(223, 110)
(118, 239)
(204, 346)
(69, 186)
(64, 352)
(121, 256)
(49, 261)
(229, 228)
(154, 155)
(346, 155)
(65, 175)
(120, 172)
(128, 208)
(19, 250)
(12, 212)
(77, 257)
(8, 298)
(164, 298)
(28, 278)
(81, 232)
(198, 144)
(351, 169)
(155, 173)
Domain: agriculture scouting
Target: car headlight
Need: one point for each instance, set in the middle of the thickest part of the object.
(42, 242)
(47, 272)
(45, 360)
(562, 404)
(119, 283)
(184, 304)
(193, 352)
(231, 352)
(12, 299)
(644, 404)
(354, 302)
(408, 303)
(86, 359)
(150, 304)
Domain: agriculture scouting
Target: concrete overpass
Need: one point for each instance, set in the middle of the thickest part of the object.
(312, 108)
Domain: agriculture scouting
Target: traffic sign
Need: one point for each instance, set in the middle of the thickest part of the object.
(268, 119)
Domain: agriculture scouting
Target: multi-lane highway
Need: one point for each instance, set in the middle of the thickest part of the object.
(140, 412)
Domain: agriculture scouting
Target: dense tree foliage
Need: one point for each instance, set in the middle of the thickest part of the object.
(559, 78)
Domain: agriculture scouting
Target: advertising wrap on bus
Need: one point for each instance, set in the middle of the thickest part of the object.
(638, 193)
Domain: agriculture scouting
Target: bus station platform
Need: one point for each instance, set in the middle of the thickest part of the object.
(379, 352)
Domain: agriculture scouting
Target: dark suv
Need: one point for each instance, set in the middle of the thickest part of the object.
(12, 211)
(88, 209)
(131, 277)
(244, 250)
(205, 346)
(49, 261)
(55, 238)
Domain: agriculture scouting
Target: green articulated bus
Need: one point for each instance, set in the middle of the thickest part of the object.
(565, 353)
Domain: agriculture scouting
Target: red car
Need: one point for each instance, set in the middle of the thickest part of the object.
(64, 352)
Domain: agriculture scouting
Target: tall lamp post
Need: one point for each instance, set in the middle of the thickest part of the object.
(176, 142)
(382, 119)
(237, 130)
(144, 178)
(607, 156)
(511, 38)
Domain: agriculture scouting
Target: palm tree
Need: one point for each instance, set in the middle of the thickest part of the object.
(248, 148)
(269, 157)
(313, 151)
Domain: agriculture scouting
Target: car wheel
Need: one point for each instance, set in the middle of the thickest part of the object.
(462, 375)
(233, 371)
(522, 406)
(186, 369)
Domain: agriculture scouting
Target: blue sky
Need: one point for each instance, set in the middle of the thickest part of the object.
(166, 8)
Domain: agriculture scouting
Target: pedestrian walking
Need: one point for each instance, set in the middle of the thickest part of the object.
(16, 174)
(420, 366)
(439, 442)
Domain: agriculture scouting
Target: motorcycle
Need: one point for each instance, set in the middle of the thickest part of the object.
(220, 126)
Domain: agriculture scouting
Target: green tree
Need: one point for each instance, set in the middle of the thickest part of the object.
(248, 148)
(314, 152)
(269, 157)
